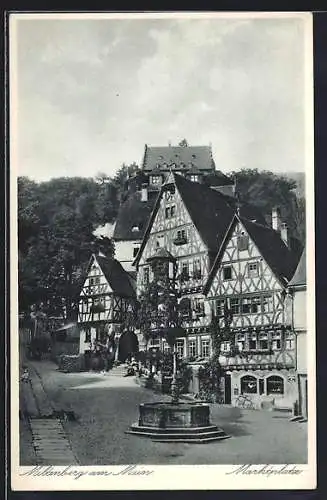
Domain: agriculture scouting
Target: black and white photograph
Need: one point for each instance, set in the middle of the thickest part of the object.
(162, 251)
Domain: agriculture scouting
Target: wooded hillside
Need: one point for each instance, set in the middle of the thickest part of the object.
(56, 220)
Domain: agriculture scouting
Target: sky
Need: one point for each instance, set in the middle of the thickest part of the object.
(91, 93)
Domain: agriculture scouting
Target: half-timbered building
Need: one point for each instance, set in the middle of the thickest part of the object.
(246, 292)
(107, 295)
(195, 163)
(189, 220)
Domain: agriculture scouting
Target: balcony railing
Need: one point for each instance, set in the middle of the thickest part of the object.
(180, 240)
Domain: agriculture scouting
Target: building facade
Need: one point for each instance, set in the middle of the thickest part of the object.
(107, 296)
(298, 319)
(248, 281)
(195, 163)
(189, 220)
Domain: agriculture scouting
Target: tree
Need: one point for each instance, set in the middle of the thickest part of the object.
(210, 374)
(56, 222)
(267, 190)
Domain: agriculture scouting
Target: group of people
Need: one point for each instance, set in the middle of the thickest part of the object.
(103, 354)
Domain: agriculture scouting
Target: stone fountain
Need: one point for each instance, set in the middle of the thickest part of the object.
(175, 420)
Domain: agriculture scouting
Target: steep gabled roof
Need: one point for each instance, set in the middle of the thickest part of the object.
(134, 213)
(210, 211)
(217, 178)
(164, 156)
(119, 280)
(300, 276)
(278, 256)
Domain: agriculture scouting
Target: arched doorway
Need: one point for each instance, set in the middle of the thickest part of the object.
(128, 346)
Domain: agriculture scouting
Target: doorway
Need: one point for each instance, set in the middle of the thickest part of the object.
(128, 346)
(228, 389)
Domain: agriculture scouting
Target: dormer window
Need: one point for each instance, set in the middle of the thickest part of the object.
(135, 229)
(194, 178)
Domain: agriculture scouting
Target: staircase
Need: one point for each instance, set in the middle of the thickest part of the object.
(118, 371)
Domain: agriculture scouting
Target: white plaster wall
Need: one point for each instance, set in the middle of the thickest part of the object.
(124, 253)
(301, 352)
(299, 310)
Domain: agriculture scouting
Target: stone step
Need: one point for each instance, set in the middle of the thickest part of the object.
(191, 441)
(173, 435)
(175, 430)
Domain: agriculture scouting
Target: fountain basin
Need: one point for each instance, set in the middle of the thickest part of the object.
(171, 422)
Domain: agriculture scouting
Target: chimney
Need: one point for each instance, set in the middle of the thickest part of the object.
(284, 233)
(144, 192)
(275, 219)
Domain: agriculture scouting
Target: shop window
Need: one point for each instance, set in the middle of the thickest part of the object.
(275, 385)
(227, 272)
(205, 348)
(192, 348)
(253, 269)
(249, 385)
